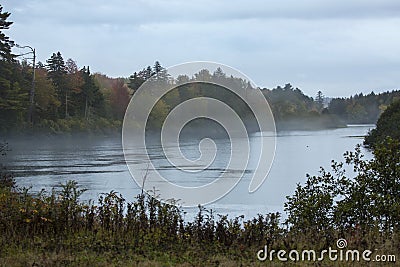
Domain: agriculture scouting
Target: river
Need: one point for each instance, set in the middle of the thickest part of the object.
(97, 164)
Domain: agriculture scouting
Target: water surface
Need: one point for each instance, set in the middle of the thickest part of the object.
(97, 163)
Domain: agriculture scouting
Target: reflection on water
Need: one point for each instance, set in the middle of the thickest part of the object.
(98, 165)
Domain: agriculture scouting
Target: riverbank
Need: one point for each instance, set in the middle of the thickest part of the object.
(57, 229)
(68, 127)
(103, 126)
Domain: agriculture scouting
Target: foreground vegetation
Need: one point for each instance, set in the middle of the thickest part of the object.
(388, 125)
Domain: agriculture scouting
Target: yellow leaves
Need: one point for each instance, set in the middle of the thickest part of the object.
(27, 220)
(45, 219)
(22, 210)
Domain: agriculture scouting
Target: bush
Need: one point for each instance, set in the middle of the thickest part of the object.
(388, 125)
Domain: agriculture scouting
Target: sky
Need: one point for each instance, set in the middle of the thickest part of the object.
(341, 47)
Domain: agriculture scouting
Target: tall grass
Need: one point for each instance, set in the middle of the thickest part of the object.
(57, 229)
(57, 222)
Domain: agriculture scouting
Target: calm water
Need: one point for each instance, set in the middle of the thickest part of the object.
(98, 165)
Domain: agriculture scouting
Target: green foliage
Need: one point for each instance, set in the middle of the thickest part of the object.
(5, 42)
(288, 102)
(46, 99)
(362, 108)
(145, 229)
(388, 125)
(319, 100)
(373, 197)
(334, 203)
(100, 125)
(13, 98)
(292, 109)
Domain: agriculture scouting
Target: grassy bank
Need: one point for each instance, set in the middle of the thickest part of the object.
(56, 229)
(70, 126)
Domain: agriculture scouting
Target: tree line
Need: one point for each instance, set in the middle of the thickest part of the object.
(362, 108)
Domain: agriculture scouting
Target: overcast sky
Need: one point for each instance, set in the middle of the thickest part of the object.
(340, 47)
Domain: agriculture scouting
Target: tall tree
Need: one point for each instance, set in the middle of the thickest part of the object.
(5, 42)
(12, 96)
(148, 72)
(157, 67)
(74, 77)
(57, 72)
(135, 81)
(90, 90)
(119, 98)
(46, 100)
(73, 87)
(219, 75)
(319, 100)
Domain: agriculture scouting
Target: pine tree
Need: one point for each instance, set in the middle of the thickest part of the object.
(161, 74)
(135, 81)
(157, 67)
(320, 100)
(219, 75)
(74, 83)
(90, 91)
(12, 96)
(148, 73)
(57, 73)
(5, 42)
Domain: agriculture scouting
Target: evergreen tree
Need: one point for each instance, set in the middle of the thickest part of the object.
(148, 73)
(319, 100)
(219, 76)
(157, 67)
(57, 73)
(74, 83)
(12, 96)
(135, 81)
(161, 74)
(90, 91)
(5, 42)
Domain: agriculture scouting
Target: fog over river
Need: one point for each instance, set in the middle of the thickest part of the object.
(98, 164)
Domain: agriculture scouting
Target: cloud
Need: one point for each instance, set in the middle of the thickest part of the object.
(160, 11)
